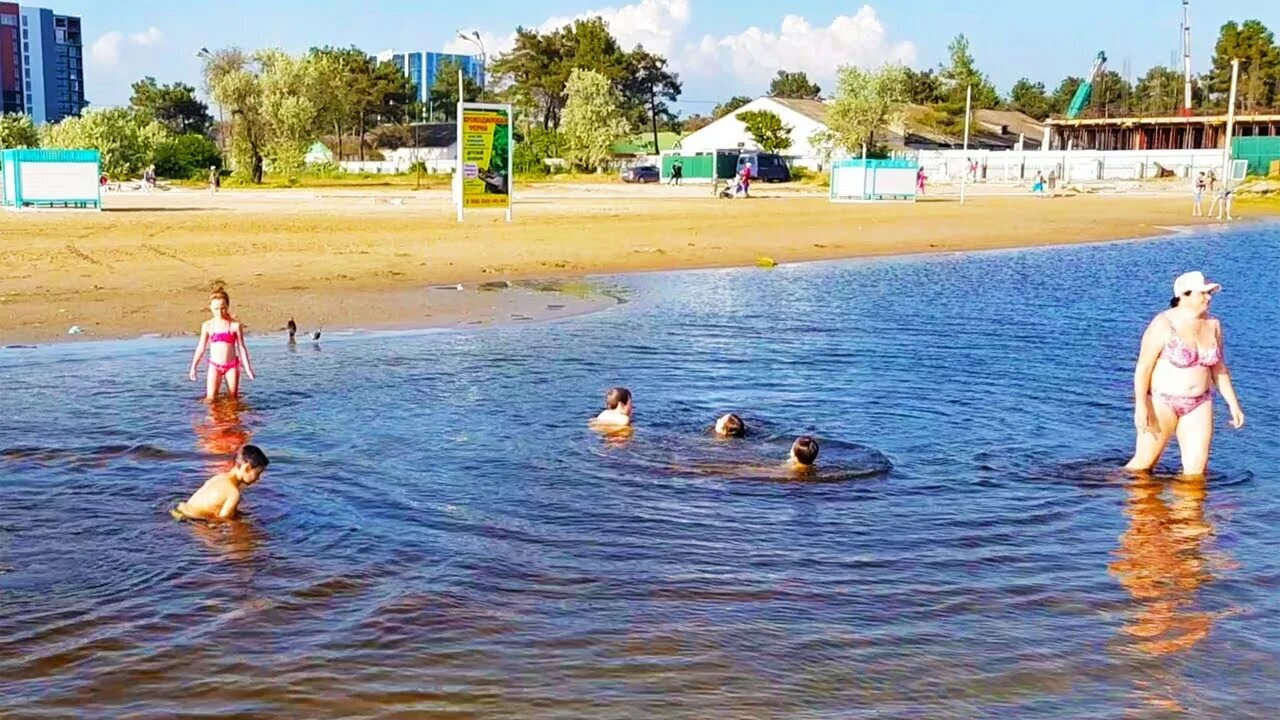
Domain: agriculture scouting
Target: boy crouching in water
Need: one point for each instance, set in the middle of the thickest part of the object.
(219, 497)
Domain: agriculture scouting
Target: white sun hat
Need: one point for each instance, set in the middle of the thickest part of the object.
(1194, 282)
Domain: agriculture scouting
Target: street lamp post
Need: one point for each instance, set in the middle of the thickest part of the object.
(204, 54)
(474, 39)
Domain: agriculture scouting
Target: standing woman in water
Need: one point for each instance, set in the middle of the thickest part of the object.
(1180, 364)
(223, 336)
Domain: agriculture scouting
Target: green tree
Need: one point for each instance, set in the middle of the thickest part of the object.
(291, 88)
(17, 131)
(646, 88)
(175, 106)
(125, 138)
(186, 156)
(444, 92)
(961, 73)
(1159, 92)
(1112, 95)
(592, 120)
(924, 87)
(695, 122)
(344, 74)
(1060, 101)
(793, 85)
(1255, 46)
(233, 80)
(865, 103)
(729, 106)
(767, 130)
(1029, 98)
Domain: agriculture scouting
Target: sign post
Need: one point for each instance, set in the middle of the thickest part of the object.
(482, 177)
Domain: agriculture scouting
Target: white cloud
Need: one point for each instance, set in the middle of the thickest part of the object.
(756, 55)
(106, 49)
(151, 36)
(656, 24)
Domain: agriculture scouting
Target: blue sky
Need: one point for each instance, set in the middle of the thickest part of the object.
(721, 48)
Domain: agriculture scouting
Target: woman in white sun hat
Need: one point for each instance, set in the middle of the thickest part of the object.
(1180, 364)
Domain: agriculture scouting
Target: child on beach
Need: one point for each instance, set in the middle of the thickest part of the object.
(1197, 210)
(219, 496)
(223, 336)
(617, 412)
(804, 452)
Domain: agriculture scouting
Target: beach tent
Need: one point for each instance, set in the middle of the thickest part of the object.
(50, 178)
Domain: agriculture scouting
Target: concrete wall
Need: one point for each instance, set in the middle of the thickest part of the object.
(1072, 166)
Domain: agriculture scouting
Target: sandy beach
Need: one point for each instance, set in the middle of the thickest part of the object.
(357, 258)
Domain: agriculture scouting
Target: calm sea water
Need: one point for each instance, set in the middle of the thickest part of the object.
(439, 532)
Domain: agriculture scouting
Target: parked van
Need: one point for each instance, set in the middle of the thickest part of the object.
(767, 167)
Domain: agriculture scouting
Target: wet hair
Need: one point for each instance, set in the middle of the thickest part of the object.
(220, 294)
(252, 456)
(733, 426)
(617, 397)
(805, 450)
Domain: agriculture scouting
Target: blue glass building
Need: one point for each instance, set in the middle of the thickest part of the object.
(421, 67)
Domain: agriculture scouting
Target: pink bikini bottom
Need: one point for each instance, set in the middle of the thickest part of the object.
(1183, 404)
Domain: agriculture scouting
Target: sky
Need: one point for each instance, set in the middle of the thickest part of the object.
(719, 47)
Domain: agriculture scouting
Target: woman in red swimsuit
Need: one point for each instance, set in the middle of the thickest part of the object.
(224, 337)
(1179, 366)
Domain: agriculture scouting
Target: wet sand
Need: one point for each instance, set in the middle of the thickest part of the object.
(350, 258)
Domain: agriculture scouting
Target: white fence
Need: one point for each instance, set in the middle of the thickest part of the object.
(1069, 166)
(399, 165)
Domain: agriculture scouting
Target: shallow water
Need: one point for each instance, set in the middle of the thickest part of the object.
(439, 532)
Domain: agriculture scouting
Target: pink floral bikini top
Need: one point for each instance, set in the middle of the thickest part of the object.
(228, 337)
(1181, 355)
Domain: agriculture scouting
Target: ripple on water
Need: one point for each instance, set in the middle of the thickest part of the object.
(440, 533)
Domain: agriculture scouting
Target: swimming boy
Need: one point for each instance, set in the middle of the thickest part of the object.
(730, 426)
(219, 497)
(617, 412)
(804, 452)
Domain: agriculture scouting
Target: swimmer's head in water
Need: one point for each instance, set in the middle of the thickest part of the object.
(619, 399)
(251, 461)
(804, 450)
(731, 426)
(220, 302)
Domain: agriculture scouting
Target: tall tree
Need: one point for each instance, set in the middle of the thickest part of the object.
(793, 85)
(125, 138)
(646, 88)
(444, 92)
(342, 73)
(592, 119)
(1029, 98)
(696, 122)
(17, 131)
(729, 106)
(1112, 95)
(1255, 46)
(961, 72)
(175, 106)
(232, 78)
(924, 87)
(767, 130)
(866, 102)
(1159, 92)
(1060, 101)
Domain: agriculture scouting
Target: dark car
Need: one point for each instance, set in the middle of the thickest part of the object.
(766, 167)
(641, 174)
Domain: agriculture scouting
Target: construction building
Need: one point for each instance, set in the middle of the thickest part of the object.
(1203, 132)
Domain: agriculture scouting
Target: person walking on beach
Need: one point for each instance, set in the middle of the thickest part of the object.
(215, 179)
(1053, 182)
(1222, 203)
(1038, 186)
(920, 178)
(1196, 210)
(223, 336)
(1180, 364)
(677, 173)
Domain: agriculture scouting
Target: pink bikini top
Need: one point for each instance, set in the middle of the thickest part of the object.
(1181, 355)
(222, 337)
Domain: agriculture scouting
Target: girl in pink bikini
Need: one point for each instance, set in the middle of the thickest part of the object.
(1179, 366)
(224, 338)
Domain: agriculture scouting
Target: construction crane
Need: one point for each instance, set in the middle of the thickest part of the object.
(1085, 91)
